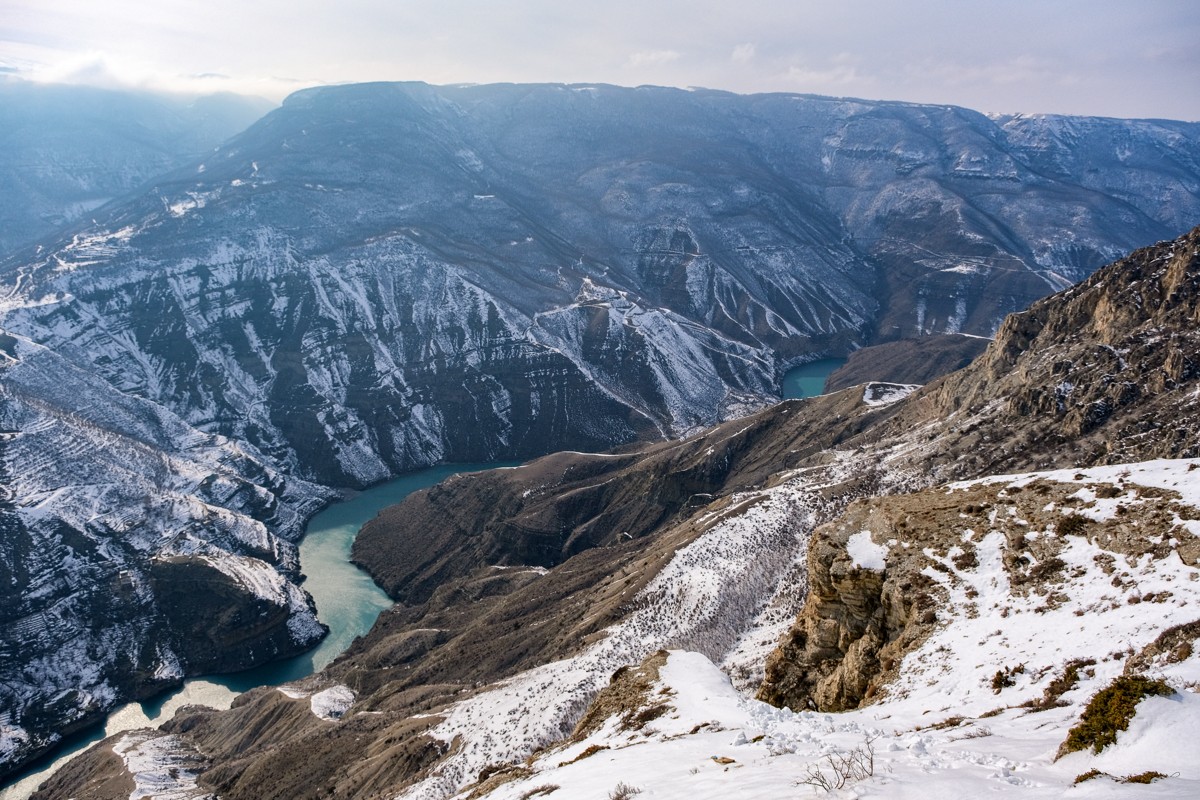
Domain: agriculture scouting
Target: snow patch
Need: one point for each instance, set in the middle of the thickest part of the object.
(332, 703)
(161, 767)
(884, 394)
(865, 554)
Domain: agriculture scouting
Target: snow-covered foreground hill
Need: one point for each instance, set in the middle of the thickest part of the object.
(981, 706)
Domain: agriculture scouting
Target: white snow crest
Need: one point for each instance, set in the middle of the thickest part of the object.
(1166, 473)
(161, 767)
(332, 703)
(884, 394)
(864, 553)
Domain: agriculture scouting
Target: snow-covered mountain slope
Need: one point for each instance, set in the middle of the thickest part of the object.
(1036, 613)
(126, 535)
(1030, 627)
(67, 150)
(378, 277)
(983, 599)
(382, 276)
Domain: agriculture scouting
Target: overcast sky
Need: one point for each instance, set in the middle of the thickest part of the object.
(1128, 58)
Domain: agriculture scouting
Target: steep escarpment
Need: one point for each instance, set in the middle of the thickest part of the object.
(884, 574)
(1104, 372)
(126, 532)
(1125, 338)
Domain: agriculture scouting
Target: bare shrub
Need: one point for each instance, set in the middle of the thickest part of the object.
(623, 791)
(842, 769)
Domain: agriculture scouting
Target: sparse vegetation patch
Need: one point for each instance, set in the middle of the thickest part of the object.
(1005, 677)
(1110, 711)
(843, 769)
(623, 791)
(1150, 776)
(1052, 696)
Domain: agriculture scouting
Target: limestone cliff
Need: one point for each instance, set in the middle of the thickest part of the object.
(1105, 372)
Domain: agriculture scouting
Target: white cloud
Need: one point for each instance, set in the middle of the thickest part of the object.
(841, 70)
(743, 53)
(653, 58)
(1084, 56)
(106, 71)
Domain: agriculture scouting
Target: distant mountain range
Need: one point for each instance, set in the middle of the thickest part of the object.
(378, 277)
(67, 150)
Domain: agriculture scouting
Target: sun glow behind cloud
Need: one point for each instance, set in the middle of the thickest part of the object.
(107, 71)
(1073, 56)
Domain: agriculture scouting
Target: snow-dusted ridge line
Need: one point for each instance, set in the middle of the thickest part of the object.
(1180, 475)
(704, 599)
(716, 741)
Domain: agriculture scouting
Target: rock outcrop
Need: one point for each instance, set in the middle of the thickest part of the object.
(878, 574)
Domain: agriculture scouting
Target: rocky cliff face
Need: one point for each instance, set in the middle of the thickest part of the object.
(1105, 372)
(883, 573)
(135, 550)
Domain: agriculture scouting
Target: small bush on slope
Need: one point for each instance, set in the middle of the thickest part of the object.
(1109, 712)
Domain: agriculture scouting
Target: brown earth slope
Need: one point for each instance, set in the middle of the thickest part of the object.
(1103, 373)
(908, 361)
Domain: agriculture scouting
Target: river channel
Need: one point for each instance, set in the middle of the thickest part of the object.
(808, 380)
(348, 601)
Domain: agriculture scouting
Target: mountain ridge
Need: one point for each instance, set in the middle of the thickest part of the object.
(70, 149)
(372, 279)
(726, 578)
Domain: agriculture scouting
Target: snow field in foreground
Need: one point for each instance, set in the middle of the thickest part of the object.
(941, 730)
